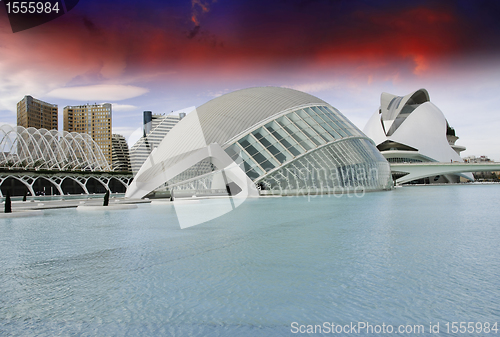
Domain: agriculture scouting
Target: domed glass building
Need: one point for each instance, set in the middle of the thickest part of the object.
(265, 140)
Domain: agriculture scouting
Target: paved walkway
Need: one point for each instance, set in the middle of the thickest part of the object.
(70, 203)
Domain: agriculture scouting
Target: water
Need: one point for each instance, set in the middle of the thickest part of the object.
(414, 255)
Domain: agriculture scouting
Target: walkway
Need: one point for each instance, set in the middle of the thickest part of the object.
(55, 180)
(421, 170)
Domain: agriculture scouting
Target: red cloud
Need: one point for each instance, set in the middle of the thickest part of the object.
(252, 41)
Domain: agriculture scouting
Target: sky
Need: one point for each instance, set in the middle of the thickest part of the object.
(164, 56)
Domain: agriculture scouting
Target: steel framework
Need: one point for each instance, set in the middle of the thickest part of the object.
(36, 149)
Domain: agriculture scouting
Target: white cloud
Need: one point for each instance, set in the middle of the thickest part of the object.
(315, 87)
(123, 107)
(100, 92)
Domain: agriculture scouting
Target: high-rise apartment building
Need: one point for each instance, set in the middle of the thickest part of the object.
(155, 128)
(121, 158)
(93, 119)
(32, 112)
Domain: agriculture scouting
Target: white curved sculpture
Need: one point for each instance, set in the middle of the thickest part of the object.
(280, 139)
(36, 149)
(413, 129)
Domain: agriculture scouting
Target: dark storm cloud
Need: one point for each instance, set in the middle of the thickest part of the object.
(193, 32)
(304, 32)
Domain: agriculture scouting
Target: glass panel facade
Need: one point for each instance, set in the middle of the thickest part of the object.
(261, 156)
(250, 166)
(337, 120)
(351, 165)
(306, 129)
(296, 133)
(291, 135)
(320, 130)
(342, 165)
(344, 120)
(302, 152)
(284, 138)
(330, 121)
(323, 123)
(272, 145)
(246, 162)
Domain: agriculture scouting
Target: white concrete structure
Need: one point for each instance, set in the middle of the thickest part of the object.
(220, 159)
(28, 181)
(414, 171)
(35, 149)
(412, 129)
(281, 140)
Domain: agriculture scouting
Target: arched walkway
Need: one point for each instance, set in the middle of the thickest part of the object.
(16, 186)
(46, 186)
(117, 186)
(73, 186)
(95, 185)
(35, 183)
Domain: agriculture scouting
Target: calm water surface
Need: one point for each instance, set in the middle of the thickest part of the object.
(413, 255)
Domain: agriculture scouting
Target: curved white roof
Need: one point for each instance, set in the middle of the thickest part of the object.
(263, 128)
(394, 109)
(222, 119)
(226, 116)
(414, 121)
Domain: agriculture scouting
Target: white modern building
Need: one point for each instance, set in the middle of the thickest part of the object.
(259, 141)
(155, 128)
(411, 129)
